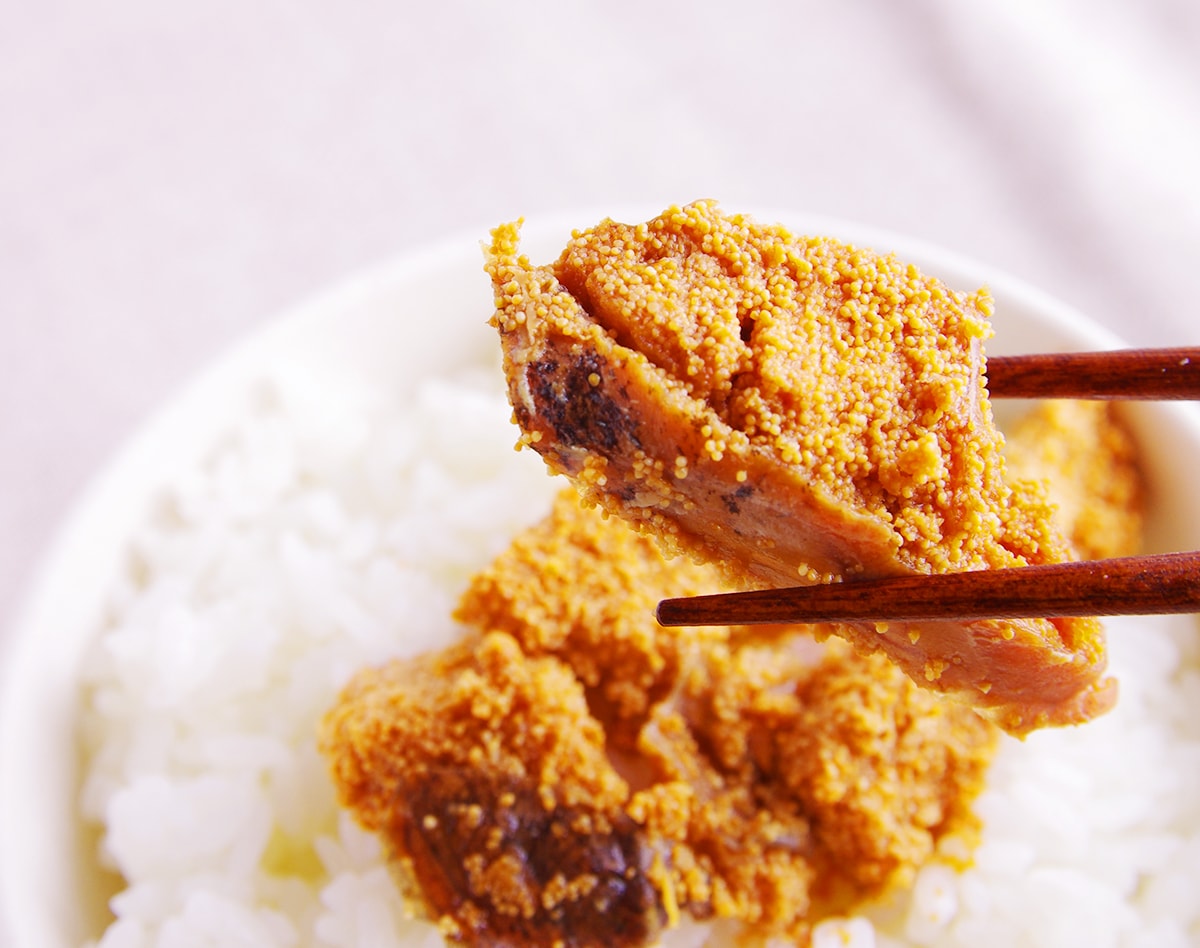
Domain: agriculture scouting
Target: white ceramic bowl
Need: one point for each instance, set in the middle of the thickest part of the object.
(419, 316)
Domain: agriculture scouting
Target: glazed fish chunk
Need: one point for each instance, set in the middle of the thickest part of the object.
(795, 410)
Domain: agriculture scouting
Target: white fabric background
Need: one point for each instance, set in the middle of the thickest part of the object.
(174, 174)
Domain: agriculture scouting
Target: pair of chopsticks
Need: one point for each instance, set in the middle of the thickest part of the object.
(1137, 585)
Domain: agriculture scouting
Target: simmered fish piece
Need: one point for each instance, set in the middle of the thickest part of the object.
(795, 410)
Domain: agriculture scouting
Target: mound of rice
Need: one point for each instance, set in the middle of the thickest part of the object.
(324, 534)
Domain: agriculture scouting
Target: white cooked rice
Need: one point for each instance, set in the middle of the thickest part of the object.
(322, 535)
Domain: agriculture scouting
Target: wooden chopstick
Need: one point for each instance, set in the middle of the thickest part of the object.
(1159, 374)
(1137, 585)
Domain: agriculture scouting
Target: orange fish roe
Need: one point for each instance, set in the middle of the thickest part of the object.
(1085, 445)
(795, 410)
(851, 365)
(749, 777)
(488, 780)
(580, 587)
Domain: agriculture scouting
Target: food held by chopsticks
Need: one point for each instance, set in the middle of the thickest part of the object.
(799, 411)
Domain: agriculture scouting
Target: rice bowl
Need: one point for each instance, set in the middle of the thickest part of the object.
(295, 529)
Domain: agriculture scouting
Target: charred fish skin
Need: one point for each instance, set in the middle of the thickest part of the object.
(487, 779)
(510, 872)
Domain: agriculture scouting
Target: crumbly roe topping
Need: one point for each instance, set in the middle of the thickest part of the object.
(550, 591)
(852, 366)
(573, 773)
(1088, 455)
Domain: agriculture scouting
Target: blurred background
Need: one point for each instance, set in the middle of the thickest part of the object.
(173, 175)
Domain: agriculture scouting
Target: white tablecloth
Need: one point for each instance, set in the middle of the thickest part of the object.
(174, 174)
